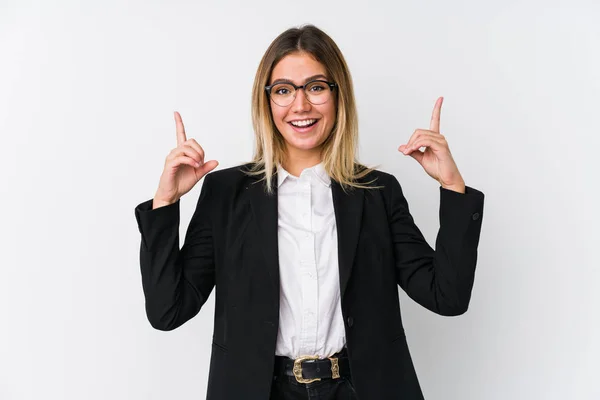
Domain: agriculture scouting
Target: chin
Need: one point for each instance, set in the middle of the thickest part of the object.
(305, 143)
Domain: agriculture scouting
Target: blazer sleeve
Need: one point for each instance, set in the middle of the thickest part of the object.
(176, 283)
(440, 280)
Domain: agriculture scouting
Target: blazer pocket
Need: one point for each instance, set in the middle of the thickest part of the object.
(398, 336)
(220, 346)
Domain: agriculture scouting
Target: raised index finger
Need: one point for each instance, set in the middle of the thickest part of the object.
(180, 129)
(434, 125)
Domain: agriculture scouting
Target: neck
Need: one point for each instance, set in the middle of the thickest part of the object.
(295, 163)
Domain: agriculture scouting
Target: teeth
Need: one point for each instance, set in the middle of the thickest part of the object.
(303, 123)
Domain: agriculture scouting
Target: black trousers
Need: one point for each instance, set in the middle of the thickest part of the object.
(287, 388)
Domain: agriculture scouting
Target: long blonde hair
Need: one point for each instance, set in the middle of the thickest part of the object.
(339, 151)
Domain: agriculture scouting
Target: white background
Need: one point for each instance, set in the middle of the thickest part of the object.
(87, 94)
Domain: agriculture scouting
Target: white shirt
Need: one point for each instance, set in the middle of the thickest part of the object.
(310, 313)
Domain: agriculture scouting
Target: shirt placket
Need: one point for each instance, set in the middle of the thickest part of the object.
(308, 267)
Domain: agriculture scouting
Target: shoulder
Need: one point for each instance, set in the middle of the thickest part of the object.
(232, 173)
(230, 178)
(378, 178)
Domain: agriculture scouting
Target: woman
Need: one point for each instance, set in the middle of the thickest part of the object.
(305, 246)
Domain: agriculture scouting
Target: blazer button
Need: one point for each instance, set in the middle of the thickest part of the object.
(350, 321)
(475, 216)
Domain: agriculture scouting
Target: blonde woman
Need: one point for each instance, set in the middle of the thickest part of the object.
(305, 246)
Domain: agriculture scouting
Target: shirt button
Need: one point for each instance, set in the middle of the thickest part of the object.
(350, 321)
(475, 216)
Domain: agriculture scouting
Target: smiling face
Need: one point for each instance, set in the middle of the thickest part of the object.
(304, 142)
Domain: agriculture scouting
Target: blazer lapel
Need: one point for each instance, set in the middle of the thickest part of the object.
(264, 208)
(348, 215)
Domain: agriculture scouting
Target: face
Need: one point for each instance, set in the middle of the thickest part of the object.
(303, 141)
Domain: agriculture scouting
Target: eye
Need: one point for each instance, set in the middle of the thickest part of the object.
(317, 87)
(282, 89)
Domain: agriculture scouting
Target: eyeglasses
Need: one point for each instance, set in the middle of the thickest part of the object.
(317, 92)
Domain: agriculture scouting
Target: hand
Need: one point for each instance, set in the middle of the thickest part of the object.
(184, 167)
(436, 159)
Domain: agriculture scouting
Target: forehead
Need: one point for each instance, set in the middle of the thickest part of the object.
(296, 67)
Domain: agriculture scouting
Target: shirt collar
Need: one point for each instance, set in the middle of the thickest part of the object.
(318, 170)
(281, 175)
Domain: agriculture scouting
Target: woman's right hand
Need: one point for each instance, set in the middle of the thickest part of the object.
(184, 167)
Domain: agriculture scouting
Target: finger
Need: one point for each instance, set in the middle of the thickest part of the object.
(175, 162)
(417, 134)
(180, 129)
(188, 151)
(427, 142)
(434, 125)
(193, 144)
(412, 138)
(407, 150)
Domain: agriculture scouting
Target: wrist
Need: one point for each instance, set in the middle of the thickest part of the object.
(156, 203)
(460, 188)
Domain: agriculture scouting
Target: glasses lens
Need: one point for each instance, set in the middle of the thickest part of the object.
(318, 92)
(282, 94)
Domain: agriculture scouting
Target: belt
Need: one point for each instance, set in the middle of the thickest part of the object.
(308, 369)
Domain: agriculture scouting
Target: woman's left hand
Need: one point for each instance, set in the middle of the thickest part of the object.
(436, 159)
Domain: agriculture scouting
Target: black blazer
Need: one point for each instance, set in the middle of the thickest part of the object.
(231, 244)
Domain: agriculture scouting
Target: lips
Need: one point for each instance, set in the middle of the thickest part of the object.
(304, 119)
(306, 128)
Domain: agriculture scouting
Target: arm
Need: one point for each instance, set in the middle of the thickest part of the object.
(176, 282)
(439, 280)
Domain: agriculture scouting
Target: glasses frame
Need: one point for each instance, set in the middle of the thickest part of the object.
(332, 85)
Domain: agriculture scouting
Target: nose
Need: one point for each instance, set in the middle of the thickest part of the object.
(301, 102)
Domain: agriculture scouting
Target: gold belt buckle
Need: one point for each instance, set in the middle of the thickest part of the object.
(298, 369)
(335, 368)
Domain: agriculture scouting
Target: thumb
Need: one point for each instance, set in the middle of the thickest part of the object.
(207, 167)
(417, 155)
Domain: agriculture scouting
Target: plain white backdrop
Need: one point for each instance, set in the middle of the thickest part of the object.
(87, 94)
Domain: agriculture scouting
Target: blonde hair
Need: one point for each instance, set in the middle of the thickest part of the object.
(339, 150)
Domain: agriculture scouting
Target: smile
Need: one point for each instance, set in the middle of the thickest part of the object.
(303, 126)
(303, 123)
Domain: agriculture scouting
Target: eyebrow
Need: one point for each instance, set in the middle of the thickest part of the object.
(310, 78)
